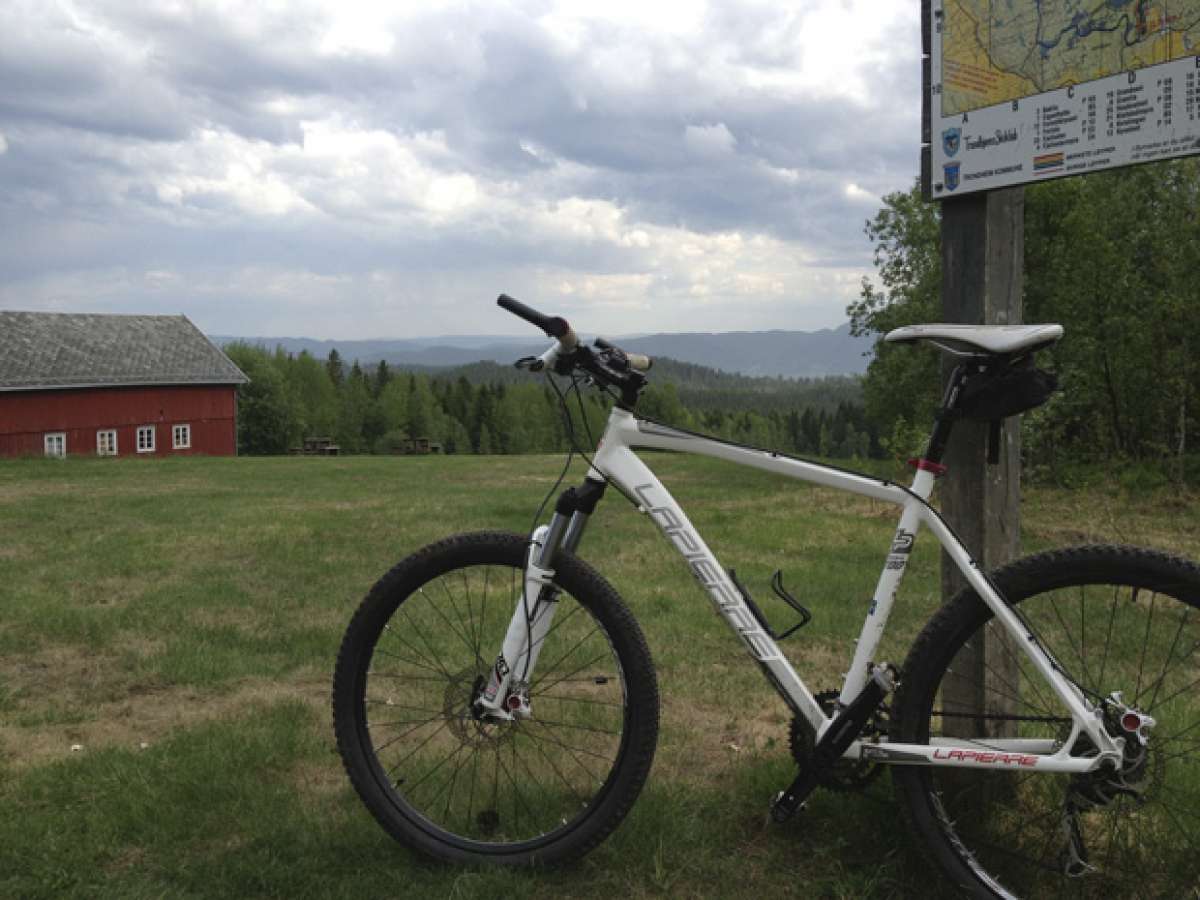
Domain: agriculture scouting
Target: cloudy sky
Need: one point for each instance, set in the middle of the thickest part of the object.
(376, 169)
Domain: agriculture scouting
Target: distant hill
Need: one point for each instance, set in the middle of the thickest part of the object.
(790, 354)
(699, 388)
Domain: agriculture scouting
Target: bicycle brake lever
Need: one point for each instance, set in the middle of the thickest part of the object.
(532, 363)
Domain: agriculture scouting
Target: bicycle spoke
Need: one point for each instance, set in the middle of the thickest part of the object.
(1067, 635)
(411, 788)
(1190, 748)
(590, 662)
(1189, 812)
(1166, 700)
(1108, 638)
(461, 632)
(578, 727)
(553, 666)
(416, 749)
(390, 705)
(424, 640)
(558, 624)
(431, 667)
(432, 662)
(1170, 653)
(1137, 691)
(563, 697)
(537, 746)
(574, 750)
(1083, 638)
(482, 609)
(401, 722)
(441, 615)
(474, 784)
(533, 777)
(404, 676)
(1022, 677)
(453, 782)
(516, 794)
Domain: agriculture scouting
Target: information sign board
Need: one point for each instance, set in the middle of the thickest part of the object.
(1025, 90)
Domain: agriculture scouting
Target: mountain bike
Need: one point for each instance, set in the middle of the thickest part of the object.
(495, 701)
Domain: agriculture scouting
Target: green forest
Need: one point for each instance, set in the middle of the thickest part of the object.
(1113, 257)
(487, 408)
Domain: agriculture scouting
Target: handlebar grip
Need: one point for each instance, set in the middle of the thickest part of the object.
(554, 326)
(639, 361)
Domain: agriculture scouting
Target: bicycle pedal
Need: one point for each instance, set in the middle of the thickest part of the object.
(782, 811)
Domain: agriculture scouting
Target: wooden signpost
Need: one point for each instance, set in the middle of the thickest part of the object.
(983, 249)
(1014, 93)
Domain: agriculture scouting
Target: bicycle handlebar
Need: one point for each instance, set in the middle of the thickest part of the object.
(554, 326)
(637, 361)
(610, 366)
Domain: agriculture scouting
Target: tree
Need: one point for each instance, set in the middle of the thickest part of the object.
(421, 402)
(316, 397)
(901, 384)
(1113, 257)
(265, 417)
(382, 376)
(335, 368)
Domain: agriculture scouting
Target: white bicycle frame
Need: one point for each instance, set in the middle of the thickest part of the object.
(616, 463)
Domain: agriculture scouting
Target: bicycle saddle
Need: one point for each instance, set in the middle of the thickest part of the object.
(979, 339)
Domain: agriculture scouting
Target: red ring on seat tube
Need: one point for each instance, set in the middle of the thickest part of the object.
(926, 465)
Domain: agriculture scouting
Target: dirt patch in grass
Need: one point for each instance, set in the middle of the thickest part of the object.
(68, 674)
(16, 491)
(14, 551)
(1062, 518)
(704, 740)
(136, 715)
(128, 858)
(317, 781)
(728, 716)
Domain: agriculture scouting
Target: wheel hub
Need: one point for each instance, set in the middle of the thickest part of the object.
(462, 715)
(1140, 771)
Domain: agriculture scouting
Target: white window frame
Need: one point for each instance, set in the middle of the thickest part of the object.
(144, 430)
(103, 447)
(185, 430)
(58, 439)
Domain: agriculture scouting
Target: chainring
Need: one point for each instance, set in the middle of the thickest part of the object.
(846, 775)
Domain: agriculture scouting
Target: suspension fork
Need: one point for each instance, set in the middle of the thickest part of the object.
(506, 694)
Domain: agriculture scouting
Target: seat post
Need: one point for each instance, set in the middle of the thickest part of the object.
(946, 414)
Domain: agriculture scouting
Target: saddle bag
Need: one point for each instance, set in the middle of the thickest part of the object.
(990, 397)
(993, 396)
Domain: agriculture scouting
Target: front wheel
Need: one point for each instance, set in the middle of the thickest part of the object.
(1115, 619)
(454, 783)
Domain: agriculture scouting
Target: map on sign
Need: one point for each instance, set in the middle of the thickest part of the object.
(1027, 90)
(994, 51)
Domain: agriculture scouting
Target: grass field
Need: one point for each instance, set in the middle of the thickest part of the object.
(168, 630)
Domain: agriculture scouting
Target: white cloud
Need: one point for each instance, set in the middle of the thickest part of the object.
(329, 164)
(860, 195)
(709, 140)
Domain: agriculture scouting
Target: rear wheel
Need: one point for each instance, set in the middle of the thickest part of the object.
(463, 787)
(1115, 619)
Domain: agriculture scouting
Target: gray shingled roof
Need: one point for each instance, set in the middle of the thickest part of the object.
(40, 351)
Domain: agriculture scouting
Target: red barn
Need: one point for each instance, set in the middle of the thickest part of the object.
(103, 385)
